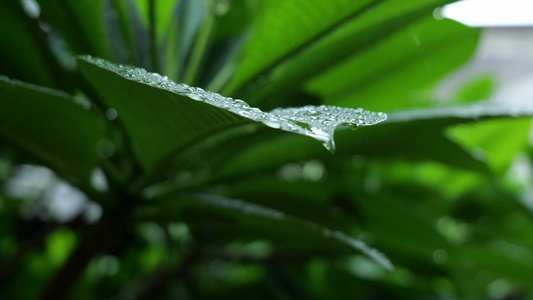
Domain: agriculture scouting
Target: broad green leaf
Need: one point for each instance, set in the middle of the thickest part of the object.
(498, 153)
(236, 20)
(394, 139)
(431, 145)
(162, 117)
(291, 196)
(399, 228)
(50, 127)
(475, 89)
(453, 183)
(282, 28)
(423, 53)
(514, 265)
(59, 244)
(346, 41)
(447, 116)
(272, 222)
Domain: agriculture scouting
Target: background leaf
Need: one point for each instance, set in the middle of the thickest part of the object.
(276, 223)
(272, 43)
(424, 52)
(368, 29)
(50, 127)
(392, 139)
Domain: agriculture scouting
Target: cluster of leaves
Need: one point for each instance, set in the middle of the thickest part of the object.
(182, 193)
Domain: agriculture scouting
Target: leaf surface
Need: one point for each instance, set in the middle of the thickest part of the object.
(423, 53)
(47, 125)
(328, 48)
(282, 28)
(275, 223)
(393, 139)
(162, 117)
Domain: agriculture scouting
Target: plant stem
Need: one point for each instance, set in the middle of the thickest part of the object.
(203, 40)
(153, 36)
(97, 239)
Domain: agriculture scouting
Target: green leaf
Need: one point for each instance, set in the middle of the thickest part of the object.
(47, 125)
(478, 88)
(291, 196)
(498, 259)
(423, 53)
(392, 139)
(59, 244)
(164, 17)
(346, 41)
(498, 153)
(162, 117)
(271, 42)
(399, 228)
(237, 19)
(274, 223)
(447, 116)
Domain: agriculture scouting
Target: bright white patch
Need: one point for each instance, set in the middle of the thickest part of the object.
(486, 13)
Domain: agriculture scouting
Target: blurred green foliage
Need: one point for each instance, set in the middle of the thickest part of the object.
(115, 189)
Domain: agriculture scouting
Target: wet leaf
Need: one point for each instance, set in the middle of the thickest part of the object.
(392, 139)
(163, 117)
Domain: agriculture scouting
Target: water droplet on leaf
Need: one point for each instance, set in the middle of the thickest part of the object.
(318, 122)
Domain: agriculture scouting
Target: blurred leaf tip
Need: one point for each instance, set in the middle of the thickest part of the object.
(325, 233)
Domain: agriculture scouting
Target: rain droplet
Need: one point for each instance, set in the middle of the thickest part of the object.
(111, 114)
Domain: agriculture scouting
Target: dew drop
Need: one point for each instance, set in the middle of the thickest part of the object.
(111, 114)
(329, 145)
